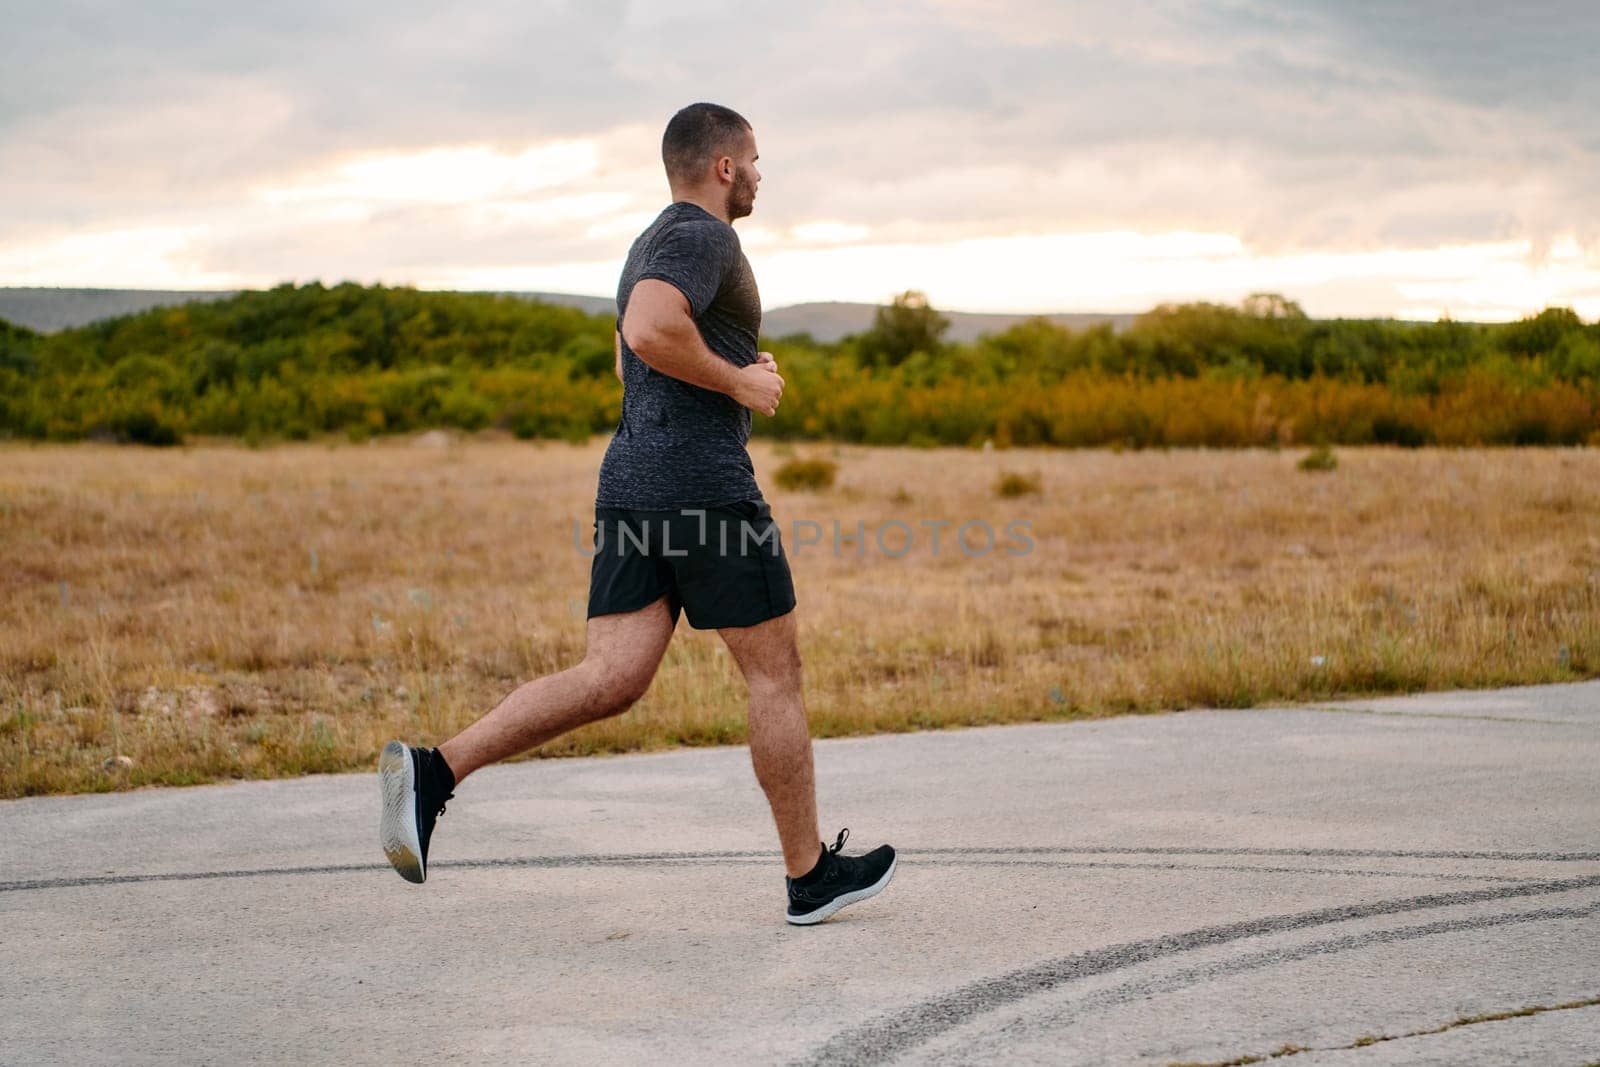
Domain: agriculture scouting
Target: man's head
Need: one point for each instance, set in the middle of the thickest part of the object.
(710, 154)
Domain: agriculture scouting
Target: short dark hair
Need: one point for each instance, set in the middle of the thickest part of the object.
(696, 135)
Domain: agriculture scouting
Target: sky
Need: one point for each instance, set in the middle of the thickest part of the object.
(1362, 157)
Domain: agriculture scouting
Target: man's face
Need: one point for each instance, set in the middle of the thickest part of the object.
(742, 193)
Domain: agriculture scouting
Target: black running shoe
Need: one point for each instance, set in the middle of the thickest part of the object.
(415, 783)
(838, 881)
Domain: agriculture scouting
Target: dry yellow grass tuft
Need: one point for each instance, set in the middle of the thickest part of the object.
(213, 612)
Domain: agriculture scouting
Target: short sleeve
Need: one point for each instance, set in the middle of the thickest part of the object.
(695, 257)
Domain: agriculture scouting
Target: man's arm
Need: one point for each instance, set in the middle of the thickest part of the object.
(661, 331)
(620, 378)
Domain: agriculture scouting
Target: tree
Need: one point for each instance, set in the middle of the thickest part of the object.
(1271, 306)
(1540, 334)
(907, 326)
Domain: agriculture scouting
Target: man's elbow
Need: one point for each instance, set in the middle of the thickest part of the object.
(645, 339)
(632, 332)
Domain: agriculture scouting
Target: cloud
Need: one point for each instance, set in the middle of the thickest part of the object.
(406, 142)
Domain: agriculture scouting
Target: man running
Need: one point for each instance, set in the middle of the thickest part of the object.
(680, 527)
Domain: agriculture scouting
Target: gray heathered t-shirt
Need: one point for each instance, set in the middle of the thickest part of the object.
(677, 444)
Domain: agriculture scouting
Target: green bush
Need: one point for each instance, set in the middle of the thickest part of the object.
(143, 425)
(1013, 484)
(1320, 458)
(807, 474)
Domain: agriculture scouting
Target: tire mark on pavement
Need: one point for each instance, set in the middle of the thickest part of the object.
(892, 1035)
(1442, 715)
(1202, 850)
(1025, 1028)
(1361, 872)
(645, 858)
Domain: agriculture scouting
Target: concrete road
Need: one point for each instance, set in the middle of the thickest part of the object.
(1191, 887)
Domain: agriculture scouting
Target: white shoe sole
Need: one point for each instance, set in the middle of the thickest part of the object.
(397, 830)
(830, 908)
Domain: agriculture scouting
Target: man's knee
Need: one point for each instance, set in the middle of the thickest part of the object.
(617, 686)
(779, 668)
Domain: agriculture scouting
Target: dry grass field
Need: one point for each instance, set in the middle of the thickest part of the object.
(190, 615)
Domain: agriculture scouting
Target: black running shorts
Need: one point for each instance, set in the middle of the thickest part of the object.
(722, 565)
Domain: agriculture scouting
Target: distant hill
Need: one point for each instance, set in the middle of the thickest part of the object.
(831, 321)
(48, 310)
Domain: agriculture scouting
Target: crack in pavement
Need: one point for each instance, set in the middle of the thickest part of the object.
(1363, 1042)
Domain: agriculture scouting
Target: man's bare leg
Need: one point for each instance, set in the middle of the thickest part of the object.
(780, 738)
(623, 653)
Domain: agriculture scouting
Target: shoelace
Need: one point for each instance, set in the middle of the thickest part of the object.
(832, 853)
(838, 865)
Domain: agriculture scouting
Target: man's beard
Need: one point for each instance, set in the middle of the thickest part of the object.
(742, 197)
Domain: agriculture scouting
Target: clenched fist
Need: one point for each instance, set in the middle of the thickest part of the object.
(760, 385)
